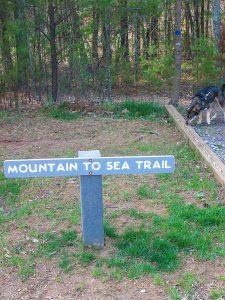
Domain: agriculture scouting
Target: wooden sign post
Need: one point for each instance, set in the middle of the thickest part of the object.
(90, 166)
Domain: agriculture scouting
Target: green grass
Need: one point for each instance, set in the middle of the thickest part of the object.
(132, 110)
(7, 117)
(160, 243)
(144, 192)
(65, 262)
(10, 189)
(25, 266)
(85, 257)
(60, 112)
(217, 294)
(110, 230)
(154, 251)
(136, 214)
(51, 243)
(186, 281)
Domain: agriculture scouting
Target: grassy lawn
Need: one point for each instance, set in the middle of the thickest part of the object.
(161, 231)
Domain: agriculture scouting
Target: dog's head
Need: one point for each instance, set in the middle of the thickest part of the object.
(194, 110)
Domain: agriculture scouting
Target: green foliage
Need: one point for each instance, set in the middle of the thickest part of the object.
(151, 249)
(217, 294)
(158, 245)
(7, 117)
(144, 191)
(110, 230)
(204, 67)
(136, 214)
(85, 258)
(159, 68)
(25, 266)
(147, 7)
(60, 112)
(209, 216)
(130, 109)
(186, 281)
(52, 243)
(10, 189)
(65, 262)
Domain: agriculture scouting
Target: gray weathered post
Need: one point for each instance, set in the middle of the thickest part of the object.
(91, 204)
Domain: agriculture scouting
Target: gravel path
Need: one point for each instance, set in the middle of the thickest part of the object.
(213, 135)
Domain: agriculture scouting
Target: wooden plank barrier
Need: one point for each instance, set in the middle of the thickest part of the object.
(196, 142)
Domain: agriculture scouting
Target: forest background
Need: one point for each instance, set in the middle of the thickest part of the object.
(85, 48)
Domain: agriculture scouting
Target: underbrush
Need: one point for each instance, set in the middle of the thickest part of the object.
(129, 109)
(60, 112)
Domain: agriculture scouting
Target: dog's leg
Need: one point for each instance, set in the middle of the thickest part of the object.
(214, 116)
(221, 105)
(200, 118)
(208, 112)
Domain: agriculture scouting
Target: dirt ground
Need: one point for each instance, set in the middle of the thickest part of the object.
(35, 136)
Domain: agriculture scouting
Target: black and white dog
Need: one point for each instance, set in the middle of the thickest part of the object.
(206, 99)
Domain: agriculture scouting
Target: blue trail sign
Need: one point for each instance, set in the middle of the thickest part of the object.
(90, 166)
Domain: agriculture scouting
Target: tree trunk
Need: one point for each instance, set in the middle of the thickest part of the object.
(154, 32)
(216, 17)
(21, 45)
(197, 20)
(124, 31)
(202, 18)
(136, 45)
(5, 49)
(54, 60)
(207, 19)
(96, 20)
(191, 21)
(178, 54)
(147, 39)
(108, 53)
(39, 70)
(187, 31)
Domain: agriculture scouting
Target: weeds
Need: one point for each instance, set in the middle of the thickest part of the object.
(51, 243)
(217, 294)
(25, 266)
(129, 109)
(10, 189)
(60, 112)
(85, 257)
(7, 117)
(110, 230)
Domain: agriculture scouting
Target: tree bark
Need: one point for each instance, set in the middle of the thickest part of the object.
(96, 20)
(21, 45)
(202, 18)
(178, 54)
(54, 59)
(136, 45)
(216, 17)
(197, 19)
(154, 32)
(207, 19)
(6, 49)
(124, 31)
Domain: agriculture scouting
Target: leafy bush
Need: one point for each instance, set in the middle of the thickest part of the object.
(158, 68)
(204, 65)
